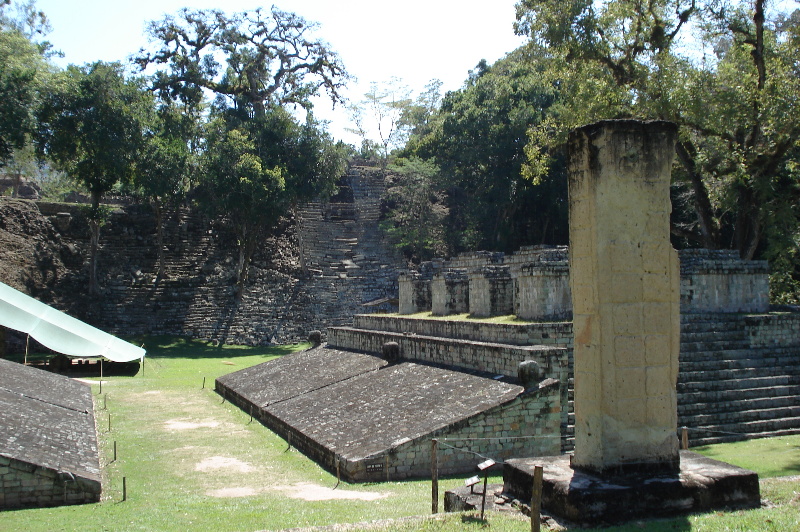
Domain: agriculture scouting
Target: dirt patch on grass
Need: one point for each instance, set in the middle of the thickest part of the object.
(315, 492)
(223, 462)
(230, 493)
(177, 424)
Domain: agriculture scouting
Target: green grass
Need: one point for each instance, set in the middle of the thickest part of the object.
(181, 449)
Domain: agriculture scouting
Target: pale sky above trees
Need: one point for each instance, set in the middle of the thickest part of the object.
(415, 40)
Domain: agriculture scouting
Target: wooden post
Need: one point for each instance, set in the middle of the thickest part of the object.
(101, 376)
(27, 340)
(105, 405)
(684, 438)
(485, 487)
(536, 499)
(115, 450)
(435, 476)
(109, 422)
(204, 383)
(124, 489)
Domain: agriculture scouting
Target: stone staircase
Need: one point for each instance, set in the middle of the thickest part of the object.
(345, 253)
(728, 389)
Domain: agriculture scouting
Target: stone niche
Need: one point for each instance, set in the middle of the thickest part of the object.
(542, 291)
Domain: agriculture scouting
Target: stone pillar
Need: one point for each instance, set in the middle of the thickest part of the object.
(491, 292)
(625, 292)
(414, 293)
(450, 293)
(542, 291)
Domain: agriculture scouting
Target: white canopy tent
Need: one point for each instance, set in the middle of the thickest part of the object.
(60, 332)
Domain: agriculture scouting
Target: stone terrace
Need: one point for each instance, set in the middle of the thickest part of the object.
(48, 444)
(371, 421)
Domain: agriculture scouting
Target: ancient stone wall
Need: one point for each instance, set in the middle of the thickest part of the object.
(348, 263)
(710, 281)
(24, 485)
(558, 334)
(499, 359)
(525, 426)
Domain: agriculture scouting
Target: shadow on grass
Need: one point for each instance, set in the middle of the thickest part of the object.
(177, 347)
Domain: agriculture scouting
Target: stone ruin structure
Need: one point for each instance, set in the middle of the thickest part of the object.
(533, 284)
(48, 444)
(625, 288)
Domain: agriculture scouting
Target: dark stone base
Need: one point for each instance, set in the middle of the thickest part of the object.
(702, 484)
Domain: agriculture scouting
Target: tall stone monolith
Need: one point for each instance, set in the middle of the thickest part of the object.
(625, 289)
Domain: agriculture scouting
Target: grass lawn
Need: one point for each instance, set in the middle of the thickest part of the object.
(192, 462)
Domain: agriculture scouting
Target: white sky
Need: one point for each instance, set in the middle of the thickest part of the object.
(415, 40)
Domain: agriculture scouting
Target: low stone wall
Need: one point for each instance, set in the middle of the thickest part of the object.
(24, 485)
(773, 330)
(534, 283)
(719, 281)
(528, 425)
(558, 334)
(499, 359)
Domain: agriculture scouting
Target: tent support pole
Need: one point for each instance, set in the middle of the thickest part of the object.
(101, 376)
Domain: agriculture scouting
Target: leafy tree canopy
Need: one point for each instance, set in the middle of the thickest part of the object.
(258, 58)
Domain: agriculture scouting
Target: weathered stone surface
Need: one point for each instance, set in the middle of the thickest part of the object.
(701, 484)
(625, 279)
(376, 424)
(47, 439)
(297, 374)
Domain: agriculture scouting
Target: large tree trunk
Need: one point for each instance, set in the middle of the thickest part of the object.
(159, 212)
(702, 204)
(94, 242)
(248, 239)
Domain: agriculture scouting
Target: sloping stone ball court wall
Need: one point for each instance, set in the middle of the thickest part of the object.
(48, 444)
(373, 421)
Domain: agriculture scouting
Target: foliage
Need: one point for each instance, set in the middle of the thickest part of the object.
(735, 107)
(91, 125)
(414, 221)
(477, 139)
(23, 68)
(268, 56)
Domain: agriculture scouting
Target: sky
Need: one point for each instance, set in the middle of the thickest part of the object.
(415, 40)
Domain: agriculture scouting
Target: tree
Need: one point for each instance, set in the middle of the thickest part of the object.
(163, 168)
(476, 138)
(382, 112)
(735, 108)
(415, 218)
(23, 69)
(269, 58)
(257, 170)
(258, 162)
(91, 125)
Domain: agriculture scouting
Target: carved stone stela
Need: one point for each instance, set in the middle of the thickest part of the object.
(625, 282)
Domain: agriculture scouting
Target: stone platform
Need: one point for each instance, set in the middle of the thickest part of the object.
(368, 420)
(48, 444)
(702, 484)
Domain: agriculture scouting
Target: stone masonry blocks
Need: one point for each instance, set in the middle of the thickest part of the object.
(625, 287)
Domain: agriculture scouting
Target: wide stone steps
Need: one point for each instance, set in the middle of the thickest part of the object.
(744, 383)
(730, 432)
